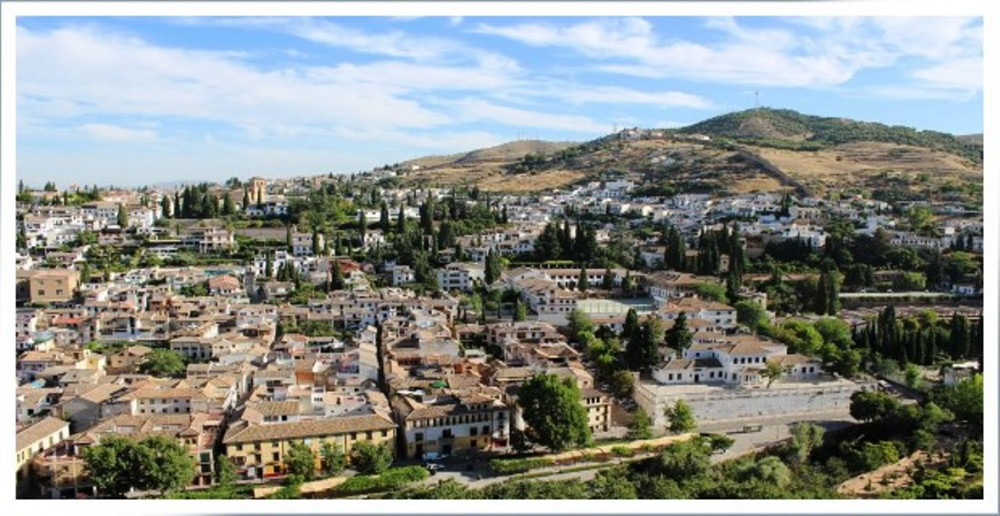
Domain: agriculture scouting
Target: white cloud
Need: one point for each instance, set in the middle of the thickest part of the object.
(115, 133)
(806, 52)
(583, 94)
(472, 109)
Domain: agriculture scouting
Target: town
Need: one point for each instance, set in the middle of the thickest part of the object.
(269, 335)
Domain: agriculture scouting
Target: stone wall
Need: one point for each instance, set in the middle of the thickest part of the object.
(723, 403)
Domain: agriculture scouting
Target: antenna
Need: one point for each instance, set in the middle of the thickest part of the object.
(756, 100)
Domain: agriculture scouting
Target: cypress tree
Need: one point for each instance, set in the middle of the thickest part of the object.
(960, 341)
(582, 283)
(631, 326)
(400, 221)
(384, 218)
(821, 296)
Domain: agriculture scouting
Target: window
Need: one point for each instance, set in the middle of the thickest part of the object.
(419, 437)
(354, 436)
(486, 429)
(41, 292)
(385, 433)
(473, 431)
(274, 456)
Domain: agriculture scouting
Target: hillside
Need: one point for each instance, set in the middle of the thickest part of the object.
(751, 151)
(784, 128)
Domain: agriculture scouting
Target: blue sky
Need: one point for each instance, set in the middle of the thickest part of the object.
(132, 101)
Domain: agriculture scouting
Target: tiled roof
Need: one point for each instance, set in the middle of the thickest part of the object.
(303, 429)
(38, 431)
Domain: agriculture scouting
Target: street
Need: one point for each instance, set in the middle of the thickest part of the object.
(775, 429)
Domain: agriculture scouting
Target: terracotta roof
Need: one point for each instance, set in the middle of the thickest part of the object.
(276, 408)
(302, 429)
(38, 431)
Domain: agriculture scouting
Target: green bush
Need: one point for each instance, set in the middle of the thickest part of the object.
(622, 451)
(512, 466)
(391, 479)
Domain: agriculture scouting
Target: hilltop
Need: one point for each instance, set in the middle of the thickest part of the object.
(761, 150)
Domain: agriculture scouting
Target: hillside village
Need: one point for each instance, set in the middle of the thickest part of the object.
(242, 319)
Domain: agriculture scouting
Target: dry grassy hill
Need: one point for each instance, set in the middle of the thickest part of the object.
(752, 151)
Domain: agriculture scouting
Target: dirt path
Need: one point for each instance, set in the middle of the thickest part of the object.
(886, 478)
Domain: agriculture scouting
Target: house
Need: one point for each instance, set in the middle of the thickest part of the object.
(224, 285)
(128, 359)
(258, 450)
(598, 405)
(402, 274)
(460, 276)
(35, 439)
(53, 285)
(724, 377)
(61, 470)
(665, 285)
(452, 424)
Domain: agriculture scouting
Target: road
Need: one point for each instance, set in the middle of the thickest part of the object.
(774, 430)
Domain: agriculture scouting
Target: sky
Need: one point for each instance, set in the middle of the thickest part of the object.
(135, 101)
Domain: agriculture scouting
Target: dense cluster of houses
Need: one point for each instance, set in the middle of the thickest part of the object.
(363, 363)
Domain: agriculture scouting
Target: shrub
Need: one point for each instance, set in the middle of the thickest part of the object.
(512, 466)
(622, 451)
(391, 479)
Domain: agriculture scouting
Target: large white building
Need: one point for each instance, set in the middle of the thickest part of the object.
(460, 276)
(723, 378)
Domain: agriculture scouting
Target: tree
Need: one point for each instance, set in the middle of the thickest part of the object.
(674, 257)
(228, 208)
(964, 399)
(369, 458)
(383, 221)
(400, 221)
(111, 465)
(174, 467)
(711, 291)
(117, 465)
(122, 217)
(332, 458)
(621, 382)
(578, 324)
(631, 326)
(870, 406)
(552, 410)
(959, 339)
(582, 284)
(163, 363)
(337, 281)
(679, 336)
(520, 311)
(641, 426)
(642, 349)
(913, 375)
(300, 460)
(751, 314)
(225, 473)
(805, 437)
(612, 484)
(680, 418)
(772, 371)
(608, 282)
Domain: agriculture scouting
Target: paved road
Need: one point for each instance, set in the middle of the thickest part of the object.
(774, 430)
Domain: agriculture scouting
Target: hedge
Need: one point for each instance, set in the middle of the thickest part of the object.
(511, 466)
(392, 479)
